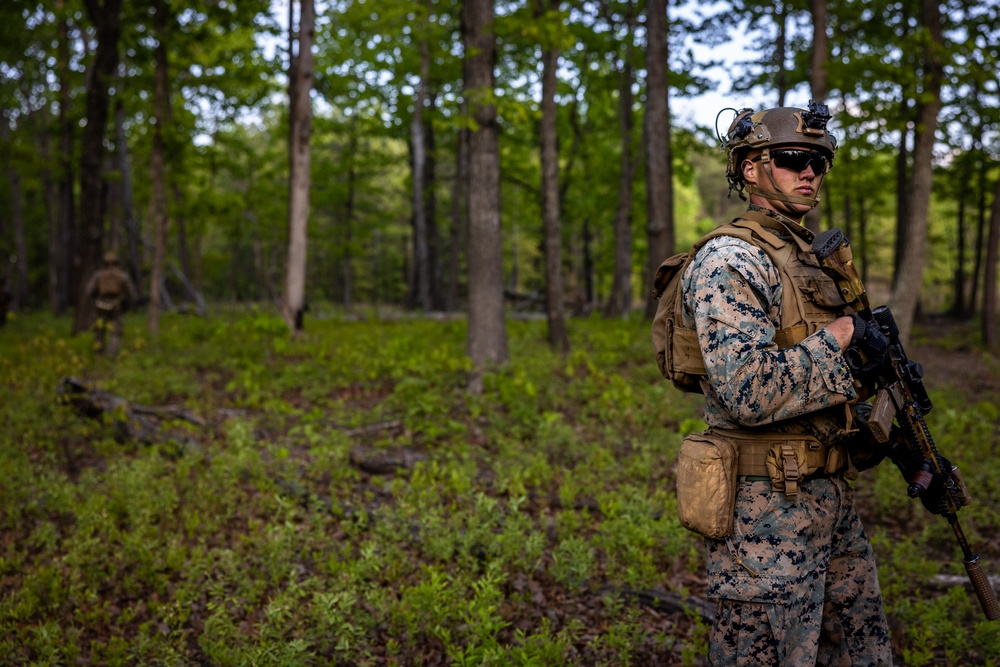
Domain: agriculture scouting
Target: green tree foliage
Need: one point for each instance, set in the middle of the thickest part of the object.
(225, 140)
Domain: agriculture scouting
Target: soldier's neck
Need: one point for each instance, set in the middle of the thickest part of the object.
(770, 212)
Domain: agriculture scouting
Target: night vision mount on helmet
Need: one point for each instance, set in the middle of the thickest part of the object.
(754, 134)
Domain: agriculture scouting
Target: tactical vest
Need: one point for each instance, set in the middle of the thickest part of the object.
(809, 298)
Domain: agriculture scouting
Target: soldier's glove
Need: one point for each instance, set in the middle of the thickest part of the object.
(867, 351)
(934, 493)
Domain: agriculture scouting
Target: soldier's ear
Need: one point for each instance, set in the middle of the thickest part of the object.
(749, 168)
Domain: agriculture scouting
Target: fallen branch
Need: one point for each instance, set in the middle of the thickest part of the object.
(952, 580)
(132, 422)
(666, 601)
(384, 462)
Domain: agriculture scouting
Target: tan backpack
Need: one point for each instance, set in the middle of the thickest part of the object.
(109, 284)
(678, 354)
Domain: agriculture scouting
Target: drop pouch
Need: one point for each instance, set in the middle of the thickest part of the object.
(706, 484)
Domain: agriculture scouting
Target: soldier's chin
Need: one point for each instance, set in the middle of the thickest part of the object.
(793, 210)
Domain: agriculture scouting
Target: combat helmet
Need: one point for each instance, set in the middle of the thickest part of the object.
(110, 258)
(752, 134)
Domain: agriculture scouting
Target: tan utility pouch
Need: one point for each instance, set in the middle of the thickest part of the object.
(106, 305)
(706, 484)
(793, 458)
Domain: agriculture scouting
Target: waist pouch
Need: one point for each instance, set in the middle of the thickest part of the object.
(709, 464)
(706, 484)
(106, 305)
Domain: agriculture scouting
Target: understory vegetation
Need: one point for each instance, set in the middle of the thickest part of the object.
(341, 499)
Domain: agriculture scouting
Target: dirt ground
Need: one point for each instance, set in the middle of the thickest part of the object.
(951, 359)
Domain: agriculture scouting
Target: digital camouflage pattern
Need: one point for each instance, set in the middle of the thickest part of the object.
(732, 296)
(805, 588)
(796, 582)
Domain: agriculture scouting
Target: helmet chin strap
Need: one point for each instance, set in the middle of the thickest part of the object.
(777, 194)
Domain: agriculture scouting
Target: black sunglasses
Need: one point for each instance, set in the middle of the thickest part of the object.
(794, 159)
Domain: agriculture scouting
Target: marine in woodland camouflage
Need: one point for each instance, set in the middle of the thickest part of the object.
(797, 580)
(111, 288)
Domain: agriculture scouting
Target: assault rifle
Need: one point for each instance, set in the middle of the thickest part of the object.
(900, 397)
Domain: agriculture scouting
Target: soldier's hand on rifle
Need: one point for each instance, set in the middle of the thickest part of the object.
(923, 482)
(867, 351)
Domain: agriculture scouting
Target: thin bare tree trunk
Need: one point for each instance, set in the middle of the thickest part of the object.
(906, 292)
(60, 257)
(133, 242)
(300, 128)
(990, 336)
(781, 51)
(487, 332)
(157, 165)
(620, 301)
(551, 215)
(18, 286)
(980, 213)
(958, 307)
(659, 167)
(51, 189)
(817, 81)
(352, 177)
(421, 285)
(458, 219)
(430, 205)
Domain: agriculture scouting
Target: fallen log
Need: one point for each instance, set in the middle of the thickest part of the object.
(135, 423)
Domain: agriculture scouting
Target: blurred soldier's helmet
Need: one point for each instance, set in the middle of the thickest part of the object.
(110, 258)
(754, 134)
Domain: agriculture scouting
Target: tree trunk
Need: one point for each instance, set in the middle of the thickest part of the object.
(60, 261)
(863, 238)
(51, 189)
(551, 215)
(781, 51)
(902, 161)
(352, 177)
(421, 286)
(133, 257)
(659, 167)
(906, 292)
(430, 205)
(958, 300)
(18, 282)
(106, 17)
(817, 81)
(300, 126)
(458, 218)
(990, 336)
(183, 244)
(487, 333)
(981, 189)
(620, 301)
(157, 166)
(588, 264)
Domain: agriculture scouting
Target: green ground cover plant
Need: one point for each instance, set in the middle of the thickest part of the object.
(340, 498)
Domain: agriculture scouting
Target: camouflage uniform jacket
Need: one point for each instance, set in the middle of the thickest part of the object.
(732, 297)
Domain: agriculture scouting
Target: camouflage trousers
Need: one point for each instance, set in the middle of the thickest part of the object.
(108, 332)
(796, 582)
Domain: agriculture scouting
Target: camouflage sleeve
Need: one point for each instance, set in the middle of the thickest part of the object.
(91, 289)
(732, 296)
